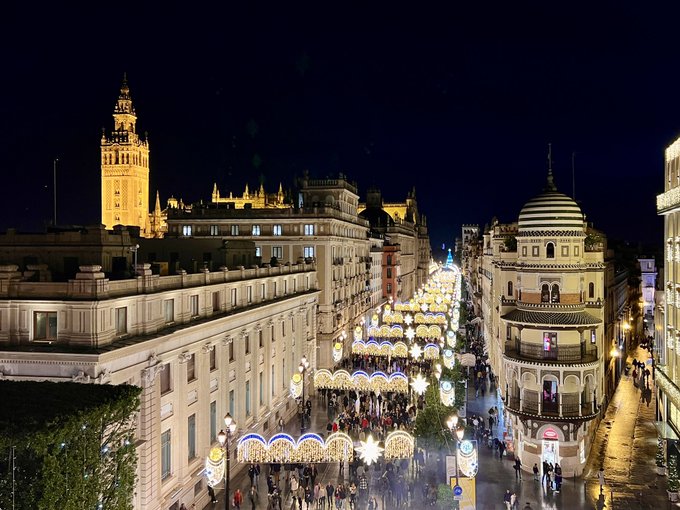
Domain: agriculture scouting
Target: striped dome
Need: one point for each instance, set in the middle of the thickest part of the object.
(550, 211)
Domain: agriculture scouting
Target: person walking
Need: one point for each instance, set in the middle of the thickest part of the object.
(545, 472)
(211, 493)
(600, 478)
(507, 499)
(294, 485)
(535, 469)
(518, 469)
(330, 491)
(238, 499)
(252, 496)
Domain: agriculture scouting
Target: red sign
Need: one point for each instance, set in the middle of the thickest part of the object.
(550, 434)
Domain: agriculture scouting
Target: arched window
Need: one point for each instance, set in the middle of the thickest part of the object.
(510, 294)
(550, 251)
(545, 293)
(591, 290)
(555, 294)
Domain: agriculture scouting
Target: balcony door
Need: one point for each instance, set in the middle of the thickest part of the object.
(550, 403)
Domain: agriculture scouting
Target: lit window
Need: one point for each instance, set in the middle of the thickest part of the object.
(45, 326)
(186, 230)
(549, 341)
(258, 251)
(256, 230)
(277, 230)
(121, 320)
(309, 229)
(234, 230)
(214, 230)
(277, 252)
(309, 252)
(193, 300)
(169, 305)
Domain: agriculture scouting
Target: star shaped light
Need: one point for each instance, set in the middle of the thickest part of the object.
(410, 333)
(423, 307)
(419, 384)
(416, 351)
(369, 451)
(408, 319)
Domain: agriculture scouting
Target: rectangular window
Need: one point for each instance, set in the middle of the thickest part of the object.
(283, 371)
(169, 307)
(121, 320)
(285, 287)
(271, 379)
(213, 358)
(389, 260)
(277, 230)
(214, 230)
(277, 251)
(247, 342)
(186, 230)
(534, 251)
(508, 332)
(576, 251)
(191, 368)
(272, 334)
(549, 342)
(309, 229)
(283, 329)
(309, 252)
(255, 230)
(389, 288)
(389, 272)
(213, 421)
(166, 455)
(233, 297)
(261, 338)
(193, 302)
(216, 301)
(231, 351)
(258, 251)
(166, 379)
(191, 436)
(593, 336)
(565, 251)
(249, 293)
(263, 291)
(274, 289)
(45, 326)
(524, 251)
(231, 403)
(261, 388)
(234, 230)
(247, 398)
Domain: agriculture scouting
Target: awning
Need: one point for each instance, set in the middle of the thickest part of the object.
(551, 318)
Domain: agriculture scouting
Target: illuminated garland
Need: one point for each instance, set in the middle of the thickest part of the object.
(337, 352)
(296, 385)
(283, 448)
(214, 466)
(385, 331)
(430, 318)
(309, 448)
(468, 461)
(373, 348)
(424, 331)
(360, 380)
(431, 352)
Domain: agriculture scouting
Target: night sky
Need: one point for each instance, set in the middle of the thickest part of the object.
(459, 102)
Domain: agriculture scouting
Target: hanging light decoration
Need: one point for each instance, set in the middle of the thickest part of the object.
(419, 384)
(446, 393)
(369, 451)
(408, 320)
(416, 351)
(214, 466)
(296, 385)
(410, 333)
(449, 358)
(337, 352)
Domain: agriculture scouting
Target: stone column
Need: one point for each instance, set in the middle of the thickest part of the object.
(149, 483)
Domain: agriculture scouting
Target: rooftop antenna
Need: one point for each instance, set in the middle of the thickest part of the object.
(573, 175)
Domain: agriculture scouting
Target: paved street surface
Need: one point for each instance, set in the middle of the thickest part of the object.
(625, 445)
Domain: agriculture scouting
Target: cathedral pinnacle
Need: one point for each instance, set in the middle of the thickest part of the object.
(124, 89)
(550, 184)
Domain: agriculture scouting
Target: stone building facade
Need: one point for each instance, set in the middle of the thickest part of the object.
(198, 345)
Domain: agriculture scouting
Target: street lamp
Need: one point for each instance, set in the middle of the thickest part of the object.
(459, 432)
(223, 438)
(302, 368)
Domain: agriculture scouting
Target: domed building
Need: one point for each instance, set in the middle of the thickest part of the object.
(544, 309)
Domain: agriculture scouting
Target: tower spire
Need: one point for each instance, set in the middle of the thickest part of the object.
(550, 184)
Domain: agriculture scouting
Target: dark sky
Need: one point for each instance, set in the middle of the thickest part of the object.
(458, 101)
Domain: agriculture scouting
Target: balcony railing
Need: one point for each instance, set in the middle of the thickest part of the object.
(525, 351)
(530, 406)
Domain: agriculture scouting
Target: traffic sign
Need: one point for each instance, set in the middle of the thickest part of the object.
(457, 493)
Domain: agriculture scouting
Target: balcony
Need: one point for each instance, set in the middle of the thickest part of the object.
(553, 410)
(668, 200)
(562, 354)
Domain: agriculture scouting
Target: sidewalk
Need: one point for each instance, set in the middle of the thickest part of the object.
(625, 445)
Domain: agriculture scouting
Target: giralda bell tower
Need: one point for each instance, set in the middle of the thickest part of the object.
(125, 169)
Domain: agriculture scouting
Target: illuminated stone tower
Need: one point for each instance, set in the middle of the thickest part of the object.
(125, 169)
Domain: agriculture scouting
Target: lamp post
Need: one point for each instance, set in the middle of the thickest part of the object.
(459, 432)
(223, 438)
(302, 368)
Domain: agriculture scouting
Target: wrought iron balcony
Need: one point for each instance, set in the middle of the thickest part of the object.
(567, 354)
(555, 410)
